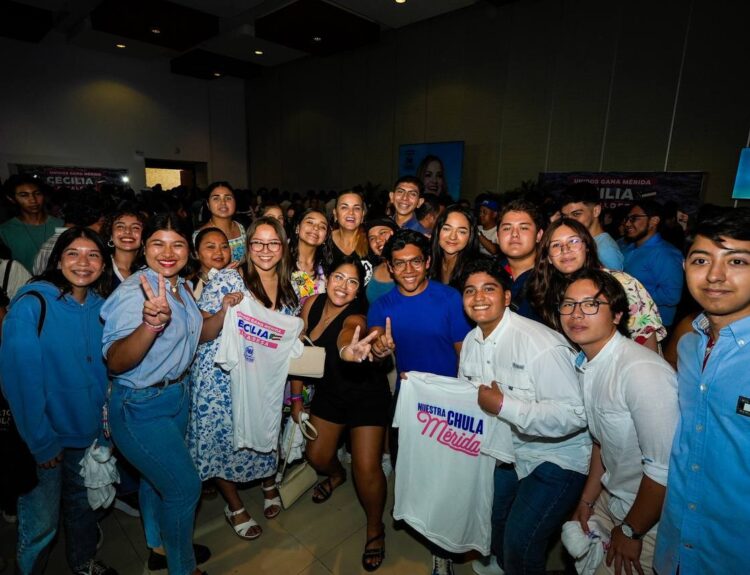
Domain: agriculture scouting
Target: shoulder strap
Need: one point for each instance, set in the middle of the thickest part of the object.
(42, 310)
(6, 277)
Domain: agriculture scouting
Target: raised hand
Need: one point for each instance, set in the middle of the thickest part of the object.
(231, 300)
(156, 310)
(384, 344)
(358, 350)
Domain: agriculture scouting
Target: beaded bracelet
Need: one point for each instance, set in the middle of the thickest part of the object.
(296, 397)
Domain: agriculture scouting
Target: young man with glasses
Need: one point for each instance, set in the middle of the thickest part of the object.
(656, 263)
(526, 378)
(406, 197)
(630, 396)
(706, 519)
(422, 321)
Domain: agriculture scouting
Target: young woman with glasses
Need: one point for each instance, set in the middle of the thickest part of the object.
(351, 394)
(267, 279)
(567, 247)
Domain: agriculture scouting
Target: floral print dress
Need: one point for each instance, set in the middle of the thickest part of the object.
(644, 314)
(209, 434)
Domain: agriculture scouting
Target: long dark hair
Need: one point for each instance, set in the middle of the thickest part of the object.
(285, 294)
(547, 284)
(53, 275)
(322, 252)
(205, 212)
(469, 252)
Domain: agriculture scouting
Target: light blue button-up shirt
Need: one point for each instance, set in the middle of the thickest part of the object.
(705, 522)
(173, 350)
(657, 264)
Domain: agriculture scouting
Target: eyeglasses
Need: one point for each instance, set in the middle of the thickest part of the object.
(257, 246)
(349, 283)
(633, 218)
(588, 306)
(571, 245)
(400, 265)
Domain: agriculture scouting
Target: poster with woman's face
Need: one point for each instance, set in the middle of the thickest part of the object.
(437, 164)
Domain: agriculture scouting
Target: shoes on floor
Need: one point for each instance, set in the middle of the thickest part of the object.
(247, 530)
(157, 562)
(128, 504)
(486, 566)
(94, 567)
(442, 566)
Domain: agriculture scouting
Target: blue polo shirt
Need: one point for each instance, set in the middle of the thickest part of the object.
(657, 264)
(706, 516)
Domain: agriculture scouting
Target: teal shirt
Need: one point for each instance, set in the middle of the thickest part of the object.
(24, 240)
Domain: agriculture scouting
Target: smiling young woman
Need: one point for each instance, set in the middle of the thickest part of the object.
(56, 387)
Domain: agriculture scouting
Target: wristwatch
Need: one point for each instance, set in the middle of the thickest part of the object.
(630, 533)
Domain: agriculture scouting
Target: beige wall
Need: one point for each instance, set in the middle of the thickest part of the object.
(64, 105)
(538, 85)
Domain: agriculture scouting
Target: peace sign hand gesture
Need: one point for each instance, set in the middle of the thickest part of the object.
(384, 345)
(358, 350)
(156, 310)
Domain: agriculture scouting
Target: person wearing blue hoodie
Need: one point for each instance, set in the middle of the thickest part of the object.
(55, 381)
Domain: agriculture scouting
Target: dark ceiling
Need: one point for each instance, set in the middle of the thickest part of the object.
(213, 38)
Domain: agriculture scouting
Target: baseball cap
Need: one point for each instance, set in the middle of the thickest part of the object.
(491, 204)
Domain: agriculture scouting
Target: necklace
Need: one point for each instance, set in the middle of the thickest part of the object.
(173, 287)
(327, 315)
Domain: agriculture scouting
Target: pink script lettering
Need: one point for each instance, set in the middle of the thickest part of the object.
(437, 428)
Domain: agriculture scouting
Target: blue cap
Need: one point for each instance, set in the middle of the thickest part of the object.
(491, 204)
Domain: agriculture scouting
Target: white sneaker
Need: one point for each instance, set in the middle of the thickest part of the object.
(486, 566)
(442, 566)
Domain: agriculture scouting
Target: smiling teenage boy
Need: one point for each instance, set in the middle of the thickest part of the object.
(706, 517)
(529, 382)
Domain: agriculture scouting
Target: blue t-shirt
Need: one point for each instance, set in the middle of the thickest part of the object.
(609, 252)
(425, 327)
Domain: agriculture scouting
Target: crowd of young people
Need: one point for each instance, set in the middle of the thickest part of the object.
(121, 337)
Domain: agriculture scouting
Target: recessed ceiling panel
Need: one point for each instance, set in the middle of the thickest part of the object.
(316, 27)
(156, 21)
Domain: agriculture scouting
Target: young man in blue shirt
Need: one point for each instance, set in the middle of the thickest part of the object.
(706, 515)
(426, 324)
(656, 263)
(406, 197)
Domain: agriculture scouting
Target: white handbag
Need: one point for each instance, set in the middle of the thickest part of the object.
(311, 363)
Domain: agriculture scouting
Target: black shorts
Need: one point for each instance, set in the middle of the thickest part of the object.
(354, 406)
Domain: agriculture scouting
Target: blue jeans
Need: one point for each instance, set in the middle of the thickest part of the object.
(527, 513)
(39, 514)
(148, 426)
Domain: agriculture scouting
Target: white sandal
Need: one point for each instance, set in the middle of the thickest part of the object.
(273, 502)
(242, 529)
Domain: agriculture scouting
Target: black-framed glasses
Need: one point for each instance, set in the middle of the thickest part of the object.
(257, 246)
(634, 218)
(400, 265)
(570, 245)
(588, 306)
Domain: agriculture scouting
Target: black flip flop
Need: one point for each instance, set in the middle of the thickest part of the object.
(370, 554)
(326, 489)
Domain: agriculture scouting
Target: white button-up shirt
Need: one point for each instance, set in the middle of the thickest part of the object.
(533, 366)
(630, 394)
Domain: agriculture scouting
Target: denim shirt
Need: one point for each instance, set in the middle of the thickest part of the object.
(706, 516)
(173, 349)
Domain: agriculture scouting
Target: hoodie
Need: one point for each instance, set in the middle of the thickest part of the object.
(55, 382)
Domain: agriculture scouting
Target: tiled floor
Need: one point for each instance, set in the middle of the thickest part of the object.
(308, 539)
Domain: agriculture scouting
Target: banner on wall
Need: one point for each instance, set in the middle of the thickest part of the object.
(438, 164)
(741, 190)
(72, 177)
(622, 188)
